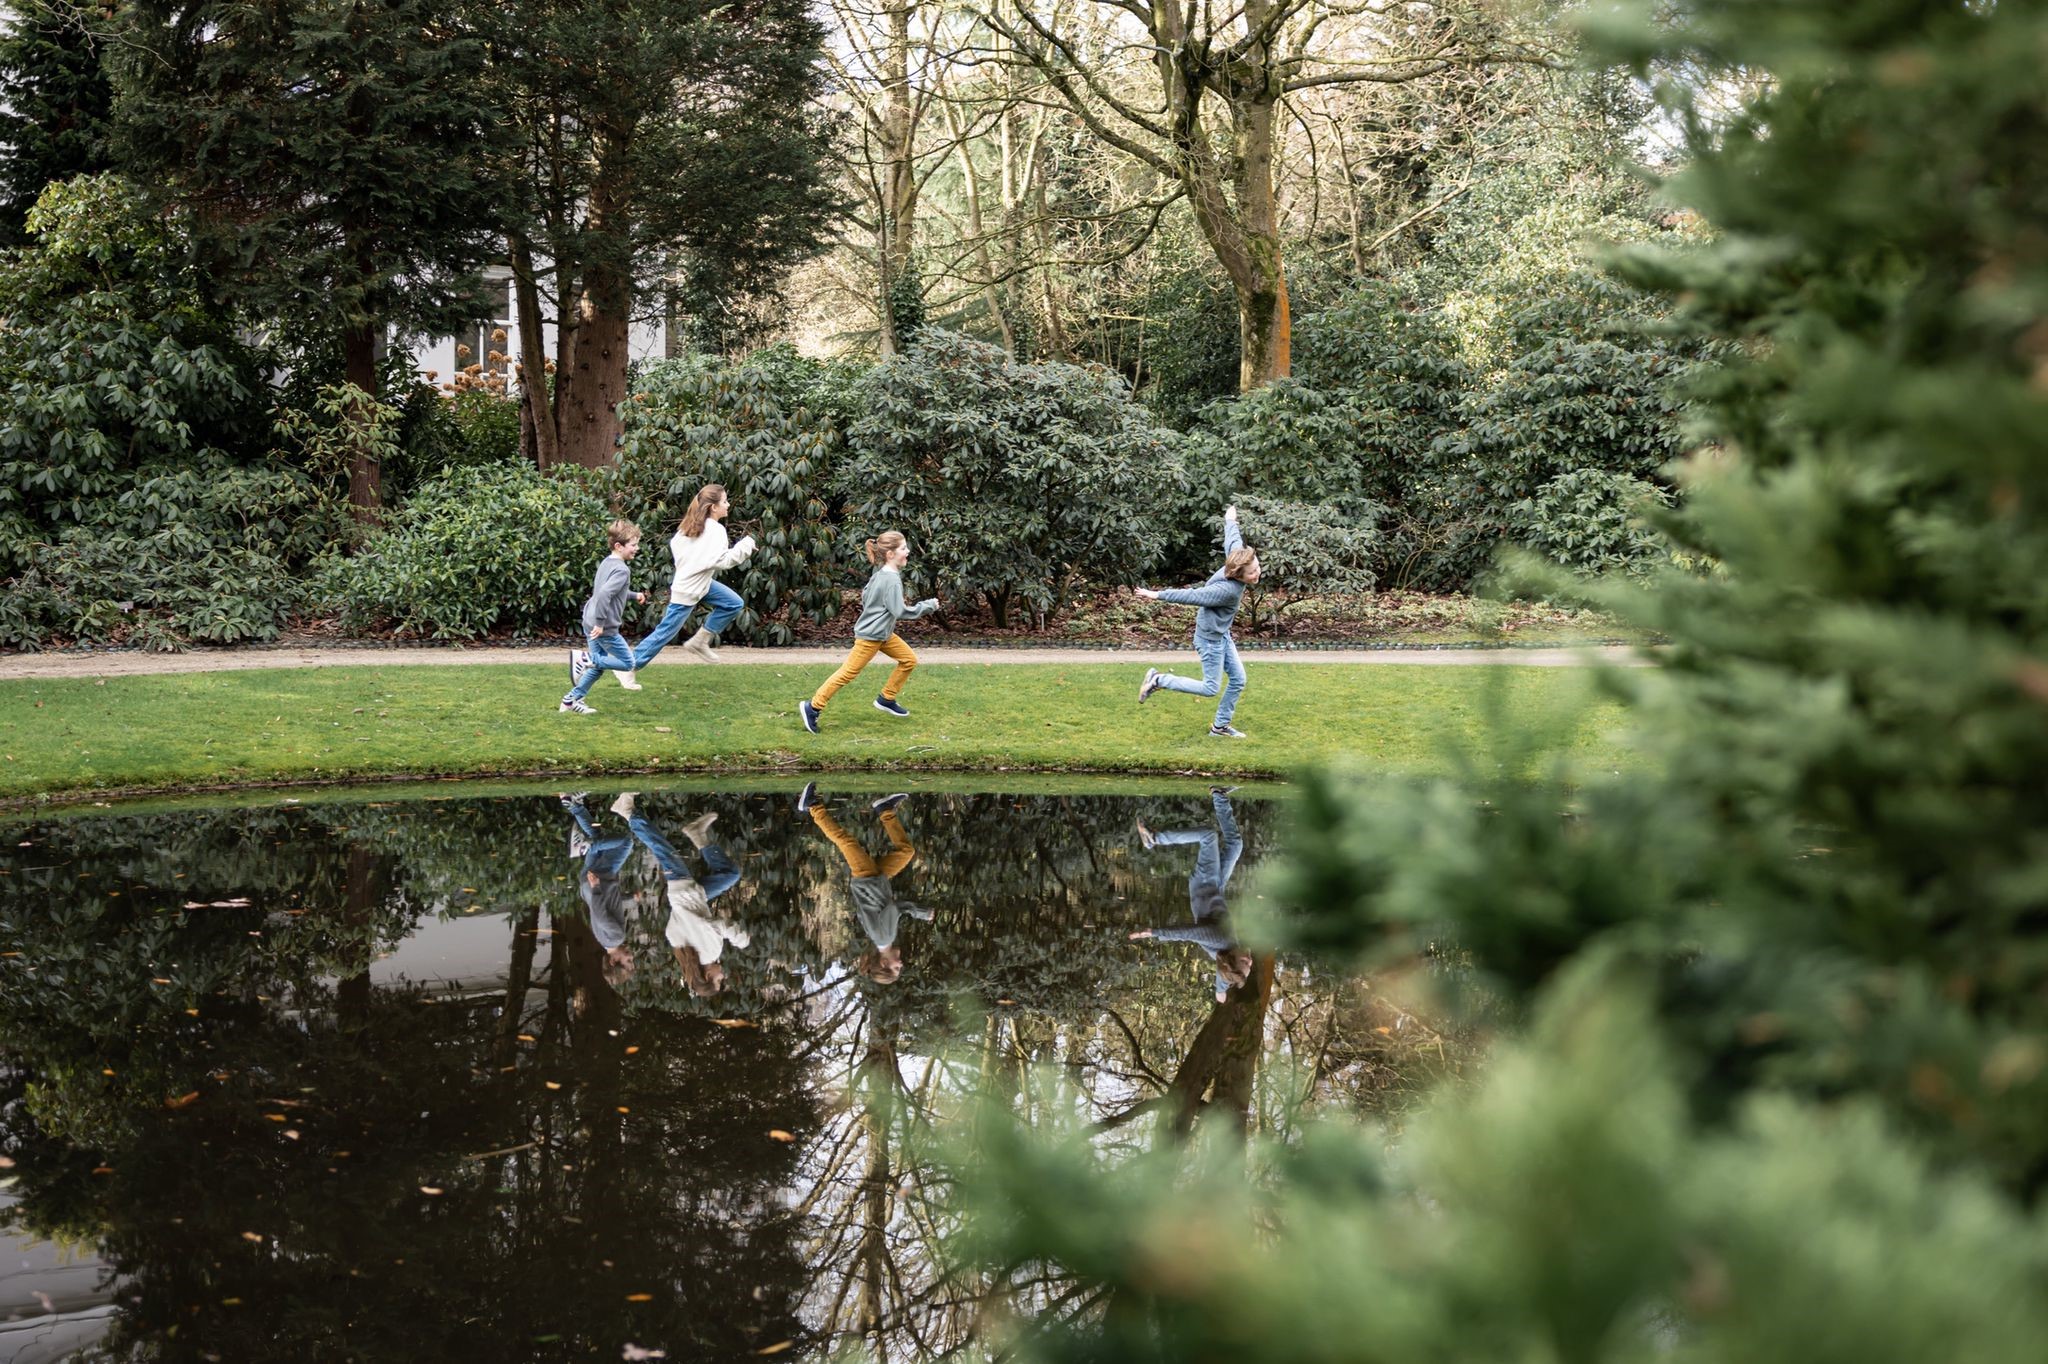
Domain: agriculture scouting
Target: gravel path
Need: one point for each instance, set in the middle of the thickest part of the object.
(129, 663)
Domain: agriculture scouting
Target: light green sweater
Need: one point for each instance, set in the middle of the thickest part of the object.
(881, 606)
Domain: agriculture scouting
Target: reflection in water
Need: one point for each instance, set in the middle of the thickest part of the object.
(389, 1080)
(1216, 858)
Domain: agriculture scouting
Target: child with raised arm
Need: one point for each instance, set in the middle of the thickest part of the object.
(603, 614)
(1215, 859)
(1218, 600)
(881, 606)
(700, 550)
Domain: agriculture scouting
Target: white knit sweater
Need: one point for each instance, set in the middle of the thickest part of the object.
(698, 561)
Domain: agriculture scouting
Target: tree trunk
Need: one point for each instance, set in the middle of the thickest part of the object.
(596, 382)
(537, 411)
(898, 132)
(365, 477)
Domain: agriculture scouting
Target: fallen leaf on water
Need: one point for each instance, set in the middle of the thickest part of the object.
(528, 1037)
(103, 1169)
(182, 1100)
(106, 1070)
(777, 1134)
(292, 1133)
(428, 1189)
(631, 1050)
(252, 1236)
(777, 1348)
(624, 1109)
(733, 1022)
(641, 1352)
(159, 980)
(553, 1084)
(639, 1297)
(275, 1117)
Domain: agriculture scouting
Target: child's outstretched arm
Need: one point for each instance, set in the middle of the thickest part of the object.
(1233, 539)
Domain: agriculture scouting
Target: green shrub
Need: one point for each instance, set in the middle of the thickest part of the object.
(1591, 521)
(1013, 481)
(478, 550)
(110, 360)
(207, 554)
(697, 421)
(1306, 550)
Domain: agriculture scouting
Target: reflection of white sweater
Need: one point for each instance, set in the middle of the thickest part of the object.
(698, 560)
(690, 926)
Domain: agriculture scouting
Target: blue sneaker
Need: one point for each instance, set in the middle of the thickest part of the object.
(884, 703)
(888, 803)
(1226, 732)
(810, 714)
(807, 797)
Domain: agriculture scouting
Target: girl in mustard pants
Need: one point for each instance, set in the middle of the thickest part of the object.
(881, 606)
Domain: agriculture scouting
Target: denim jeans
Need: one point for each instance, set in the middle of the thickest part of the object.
(1218, 849)
(723, 874)
(725, 607)
(607, 651)
(1219, 661)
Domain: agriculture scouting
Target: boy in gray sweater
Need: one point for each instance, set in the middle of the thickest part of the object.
(603, 614)
(1217, 599)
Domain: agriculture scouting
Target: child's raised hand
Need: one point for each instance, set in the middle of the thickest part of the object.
(1148, 593)
(1230, 513)
(1141, 933)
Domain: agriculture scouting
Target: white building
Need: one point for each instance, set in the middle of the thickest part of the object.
(492, 343)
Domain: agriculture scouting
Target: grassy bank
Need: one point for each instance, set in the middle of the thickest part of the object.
(156, 733)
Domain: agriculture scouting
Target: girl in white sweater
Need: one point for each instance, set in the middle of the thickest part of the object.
(700, 551)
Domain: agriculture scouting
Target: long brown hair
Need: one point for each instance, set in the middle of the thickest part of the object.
(1240, 560)
(696, 976)
(882, 546)
(708, 496)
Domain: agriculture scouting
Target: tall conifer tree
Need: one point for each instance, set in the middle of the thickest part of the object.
(337, 156)
(55, 104)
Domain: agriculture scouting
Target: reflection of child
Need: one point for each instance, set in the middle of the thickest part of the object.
(697, 939)
(874, 903)
(1214, 863)
(604, 855)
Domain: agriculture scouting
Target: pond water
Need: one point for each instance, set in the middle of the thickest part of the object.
(515, 1077)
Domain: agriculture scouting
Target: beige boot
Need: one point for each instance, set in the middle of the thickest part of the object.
(628, 681)
(623, 806)
(700, 645)
(698, 830)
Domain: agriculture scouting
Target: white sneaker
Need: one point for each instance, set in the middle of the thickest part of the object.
(700, 645)
(579, 664)
(698, 830)
(572, 705)
(628, 681)
(623, 806)
(579, 845)
(1149, 685)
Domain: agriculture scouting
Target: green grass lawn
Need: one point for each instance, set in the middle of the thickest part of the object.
(167, 732)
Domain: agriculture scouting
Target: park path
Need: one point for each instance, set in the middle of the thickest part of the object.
(128, 663)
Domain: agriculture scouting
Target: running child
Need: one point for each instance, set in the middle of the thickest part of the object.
(1218, 600)
(881, 606)
(700, 550)
(696, 938)
(603, 614)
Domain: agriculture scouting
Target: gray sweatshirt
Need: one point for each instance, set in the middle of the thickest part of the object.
(881, 606)
(1218, 597)
(879, 911)
(606, 609)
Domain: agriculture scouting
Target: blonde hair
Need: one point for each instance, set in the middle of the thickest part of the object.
(1240, 559)
(622, 532)
(883, 545)
(708, 496)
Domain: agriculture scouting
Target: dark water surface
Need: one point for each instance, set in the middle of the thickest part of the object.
(429, 1076)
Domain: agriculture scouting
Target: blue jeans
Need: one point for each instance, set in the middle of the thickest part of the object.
(725, 606)
(1219, 848)
(724, 875)
(608, 650)
(1219, 660)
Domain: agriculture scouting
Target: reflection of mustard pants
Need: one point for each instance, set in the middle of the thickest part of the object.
(857, 860)
(864, 651)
